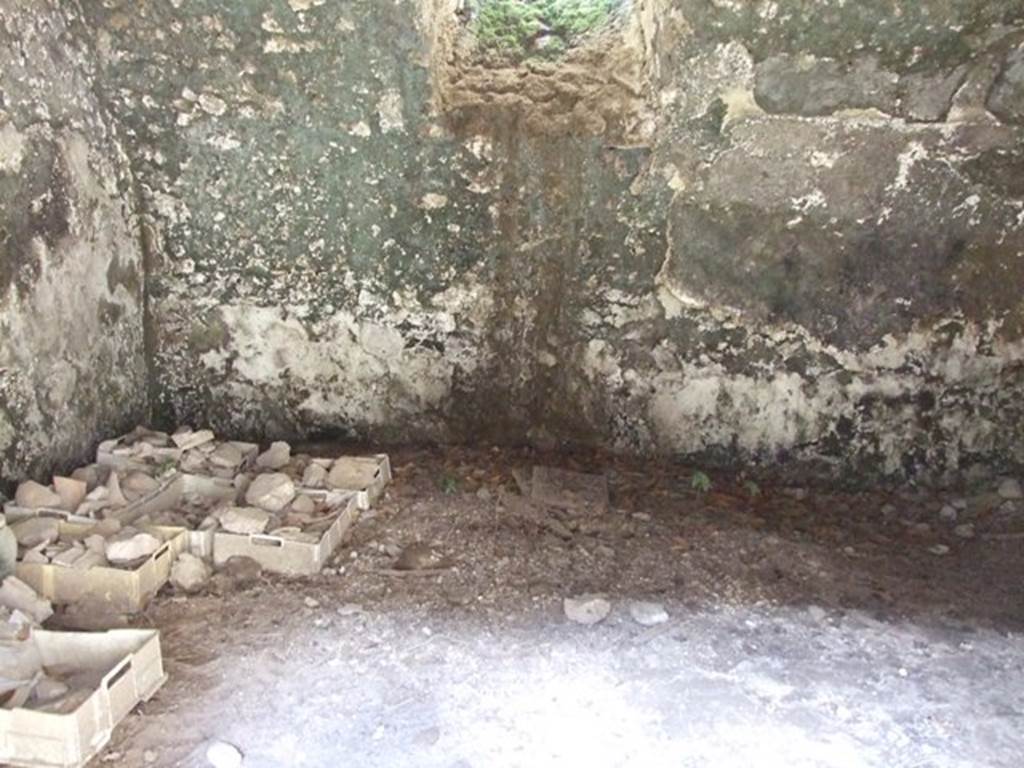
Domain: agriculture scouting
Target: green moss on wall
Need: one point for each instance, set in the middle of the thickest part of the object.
(518, 29)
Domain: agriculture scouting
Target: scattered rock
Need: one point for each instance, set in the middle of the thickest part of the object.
(484, 493)
(90, 475)
(939, 550)
(587, 609)
(648, 614)
(114, 495)
(1010, 489)
(948, 513)
(188, 440)
(189, 573)
(239, 572)
(315, 476)
(33, 495)
(72, 492)
(19, 596)
(139, 484)
(420, 557)
(36, 531)
(227, 455)
(965, 531)
(311, 602)
(303, 505)
(129, 546)
(243, 520)
(275, 457)
(272, 492)
(8, 550)
(220, 754)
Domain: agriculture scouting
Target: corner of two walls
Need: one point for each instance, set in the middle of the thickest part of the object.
(72, 364)
(794, 237)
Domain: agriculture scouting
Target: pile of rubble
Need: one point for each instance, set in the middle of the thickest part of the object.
(154, 508)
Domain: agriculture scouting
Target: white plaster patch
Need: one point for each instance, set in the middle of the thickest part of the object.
(12, 148)
(304, 5)
(389, 110)
(914, 153)
(360, 129)
(433, 201)
(212, 104)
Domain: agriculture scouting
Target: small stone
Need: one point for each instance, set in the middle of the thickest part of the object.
(129, 546)
(68, 557)
(8, 550)
(484, 493)
(243, 520)
(960, 504)
(114, 495)
(311, 602)
(48, 689)
(36, 531)
(33, 495)
(227, 455)
(315, 476)
(587, 609)
(220, 754)
(275, 457)
(939, 550)
(240, 572)
(350, 609)
(72, 492)
(35, 556)
(149, 756)
(965, 531)
(303, 505)
(139, 484)
(189, 573)
(1010, 489)
(90, 475)
(948, 513)
(271, 492)
(188, 440)
(648, 614)
(19, 596)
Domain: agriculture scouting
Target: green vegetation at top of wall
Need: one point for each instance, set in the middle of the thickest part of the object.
(519, 29)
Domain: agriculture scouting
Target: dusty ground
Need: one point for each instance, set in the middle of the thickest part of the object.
(815, 630)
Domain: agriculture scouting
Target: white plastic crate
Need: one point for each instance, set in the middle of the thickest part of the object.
(123, 591)
(133, 671)
(291, 558)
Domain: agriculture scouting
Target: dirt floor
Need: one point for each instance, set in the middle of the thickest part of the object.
(806, 628)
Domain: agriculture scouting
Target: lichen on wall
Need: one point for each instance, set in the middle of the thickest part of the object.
(72, 365)
(774, 231)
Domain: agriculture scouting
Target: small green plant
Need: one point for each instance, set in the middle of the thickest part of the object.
(517, 29)
(700, 482)
(449, 485)
(753, 489)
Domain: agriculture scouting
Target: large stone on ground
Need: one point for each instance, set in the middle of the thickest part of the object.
(271, 492)
(587, 609)
(189, 573)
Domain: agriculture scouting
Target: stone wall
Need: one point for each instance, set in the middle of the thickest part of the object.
(72, 366)
(796, 236)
